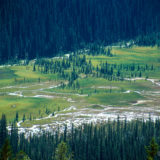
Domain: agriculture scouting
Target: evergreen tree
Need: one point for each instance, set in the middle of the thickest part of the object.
(3, 130)
(21, 156)
(6, 152)
(152, 149)
(14, 138)
(24, 117)
(16, 117)
(108, 52)
(34, 67)
(61, 152)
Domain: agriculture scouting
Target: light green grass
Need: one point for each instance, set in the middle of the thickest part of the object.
(137, 55)
(116, 99)
(34, 106)
(111, 94)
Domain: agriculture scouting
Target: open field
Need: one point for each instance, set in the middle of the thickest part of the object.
(46, 104)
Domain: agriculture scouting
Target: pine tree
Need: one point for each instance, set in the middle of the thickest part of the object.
(14, 138)
(3, 130)
(152, 149)
(24, 117)
(22, 156)
(16, 117)
(62, 152)
(6, 152)
(65, 133)
(34, 68)
(108, 52)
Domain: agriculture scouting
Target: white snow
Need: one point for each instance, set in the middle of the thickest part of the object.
(127, 91)
(43, 96)
(19, 94)
(141, 102)
(88, 115)
(19, 123)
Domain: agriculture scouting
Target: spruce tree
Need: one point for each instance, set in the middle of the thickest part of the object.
(14, 138)
(6, 152)
(17, 117)
(3, 130)
(61, 152)
(21, 156)
(152, 149)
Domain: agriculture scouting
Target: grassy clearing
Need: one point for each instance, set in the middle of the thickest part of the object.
(37, 107)
(137, 55)
(23, 75)
(116, 99)
(92, 90)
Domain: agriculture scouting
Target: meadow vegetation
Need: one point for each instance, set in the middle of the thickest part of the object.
(45, 86)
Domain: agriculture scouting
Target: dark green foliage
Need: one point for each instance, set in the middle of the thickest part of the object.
(43, 28)
(16, 117)
(3, 130)
(109, 141)
(24, 117)
(21, 156)
(34, 68)
(109, 52)
(61, 152)
(152, 149)
(14, 138)
(117, 140)
(6, 153)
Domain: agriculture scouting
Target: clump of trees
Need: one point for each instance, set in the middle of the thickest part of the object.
(6, 153)
(70, 68)
(103, 141)
(9, 149)
(152, 150)
(62, 152)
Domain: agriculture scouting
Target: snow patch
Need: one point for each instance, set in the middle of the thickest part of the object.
(127, 91)
(19, 94)
(141, 102)
(43, 96)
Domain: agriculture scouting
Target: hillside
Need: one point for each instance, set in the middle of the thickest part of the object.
(46, 28)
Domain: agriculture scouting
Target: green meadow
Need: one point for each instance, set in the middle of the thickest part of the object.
(37, 95)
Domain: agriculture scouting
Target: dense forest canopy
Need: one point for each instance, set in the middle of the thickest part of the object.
(117, 140)
(30, 29)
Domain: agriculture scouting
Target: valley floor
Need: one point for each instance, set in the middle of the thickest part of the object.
(42, 103)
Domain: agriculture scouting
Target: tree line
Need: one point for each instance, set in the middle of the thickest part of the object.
(119, 139)
(45, 28)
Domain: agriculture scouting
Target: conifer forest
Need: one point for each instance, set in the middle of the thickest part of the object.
(79, 79)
